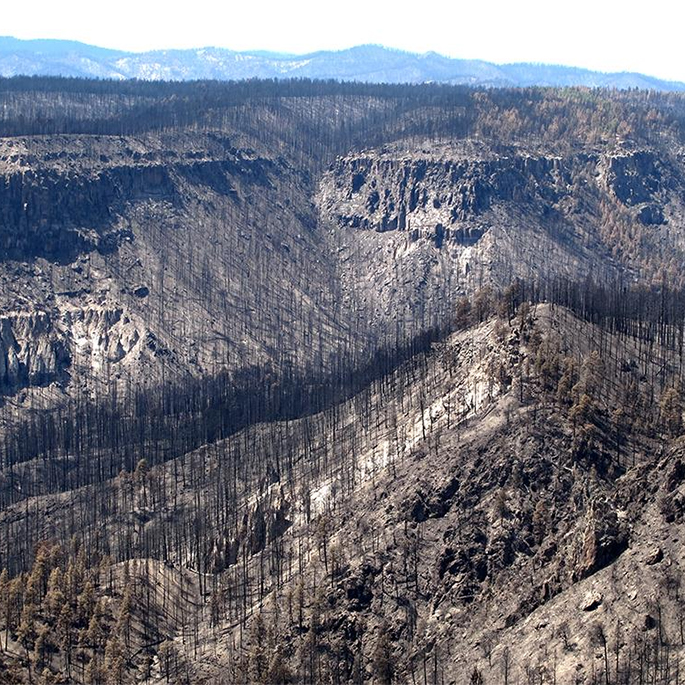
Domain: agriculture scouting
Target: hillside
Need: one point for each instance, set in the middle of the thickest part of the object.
(312, 382)
(486, 484)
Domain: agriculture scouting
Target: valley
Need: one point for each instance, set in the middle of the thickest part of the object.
(313, 382)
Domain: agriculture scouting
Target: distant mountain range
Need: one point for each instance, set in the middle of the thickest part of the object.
(368, 63)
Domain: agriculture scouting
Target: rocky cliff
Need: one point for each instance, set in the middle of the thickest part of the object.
(441, 192)
(31, 351)
(99, 232)
(63, 196)
(122, 223)
(419, 225)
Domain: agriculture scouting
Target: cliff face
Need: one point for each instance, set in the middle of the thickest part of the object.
(443, 194)
(637, 179)
(219, 254)
(72, 346)
(418, 225)
(31, 351)
(450, 192)
(59, 199)
(208, 248)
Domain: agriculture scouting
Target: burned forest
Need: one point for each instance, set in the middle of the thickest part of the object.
(314, 382)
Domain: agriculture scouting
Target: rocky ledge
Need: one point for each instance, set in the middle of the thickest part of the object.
(445, 192)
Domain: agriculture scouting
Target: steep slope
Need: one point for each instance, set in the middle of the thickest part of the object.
(418, 224)
(110, 236)
(458, 514)
(105, 243)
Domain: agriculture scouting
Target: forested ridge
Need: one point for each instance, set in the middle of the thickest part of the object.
(313, 382)
(48, 105)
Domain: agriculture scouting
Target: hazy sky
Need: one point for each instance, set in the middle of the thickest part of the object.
(599, 34)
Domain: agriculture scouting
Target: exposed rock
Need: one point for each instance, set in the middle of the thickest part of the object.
(604, 539)
(433, 505)
(651, 215)
(442, 196)
(358, 588)
(676, 475)
(654, 556)
(32, 351)
(635, 177)
(591, 601)
(141, 291)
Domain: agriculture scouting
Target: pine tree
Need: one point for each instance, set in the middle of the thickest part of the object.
(115, 662)
(85, 602)
(65, 633)
(541, 520)
(123, 624)
(140, 477)
(36, 580)
(671, 412)
(278, 672)
(54, 597)
(26, 632)
(15, 596)
(95, 634)
(41, 648)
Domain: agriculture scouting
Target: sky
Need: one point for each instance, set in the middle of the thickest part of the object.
(605, 35)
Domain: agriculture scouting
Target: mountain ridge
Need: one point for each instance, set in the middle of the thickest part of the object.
(367, 63)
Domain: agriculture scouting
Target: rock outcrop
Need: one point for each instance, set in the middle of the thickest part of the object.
(32, 351)
(53, 208)
(38, 348)
(640, 181)
(179, 249)
(441, 192)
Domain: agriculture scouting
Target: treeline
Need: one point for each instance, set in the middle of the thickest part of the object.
(655, 314)
(651, 314)
(50, 105)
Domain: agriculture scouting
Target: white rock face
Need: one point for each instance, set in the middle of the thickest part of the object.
(37, 348)
(31, 351)
(101, 335)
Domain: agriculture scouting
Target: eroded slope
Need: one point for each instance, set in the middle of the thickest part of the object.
(460, 512)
